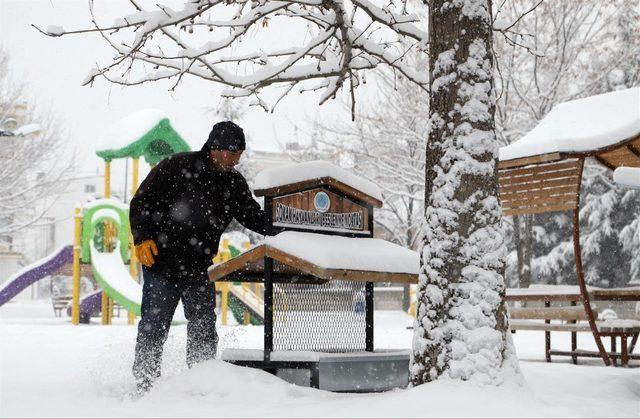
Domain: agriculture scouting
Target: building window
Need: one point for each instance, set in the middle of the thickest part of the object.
(90, 188)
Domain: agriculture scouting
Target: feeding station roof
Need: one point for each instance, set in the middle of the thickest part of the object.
(320, 217)
(542, 172)
(145, 133)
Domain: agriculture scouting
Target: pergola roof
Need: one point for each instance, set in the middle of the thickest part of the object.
(145, 133)
(325, 257)
(596, 125)
(542, 171)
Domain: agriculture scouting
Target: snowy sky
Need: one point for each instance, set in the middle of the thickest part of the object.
(54, 68)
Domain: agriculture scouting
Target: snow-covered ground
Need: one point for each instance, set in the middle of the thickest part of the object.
(50, 368)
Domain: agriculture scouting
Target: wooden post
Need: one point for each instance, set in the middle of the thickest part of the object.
(104, 308)
(268, 286)
(107, 179)
(105, 318)
(369, 298)
(574, 340)
(547, 337)
(224, 302)
(268, 308)
(577, 253)
(75, 297)
(133, 262)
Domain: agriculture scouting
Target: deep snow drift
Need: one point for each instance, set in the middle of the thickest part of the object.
(49, 368)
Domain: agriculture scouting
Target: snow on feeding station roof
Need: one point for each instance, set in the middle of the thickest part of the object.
(327, 257)
(627, 176)
(317, 170)
(335, 252)
(582, 125)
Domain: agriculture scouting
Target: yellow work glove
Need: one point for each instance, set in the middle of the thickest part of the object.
(145, 252)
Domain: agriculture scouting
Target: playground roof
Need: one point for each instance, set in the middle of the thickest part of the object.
(325, 257)
(295, 177)
(146, 133)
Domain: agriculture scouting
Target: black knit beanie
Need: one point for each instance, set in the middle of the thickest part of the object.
(225, 136)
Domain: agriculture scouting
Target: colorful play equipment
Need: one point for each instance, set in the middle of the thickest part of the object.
(243, 300)
(102, 242)
(147, 133)
(102, 239)
(103, 246)
(29, 275)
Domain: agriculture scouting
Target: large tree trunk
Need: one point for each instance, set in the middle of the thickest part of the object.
(461, 323)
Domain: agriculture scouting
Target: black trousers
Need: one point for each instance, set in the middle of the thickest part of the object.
(160, 297)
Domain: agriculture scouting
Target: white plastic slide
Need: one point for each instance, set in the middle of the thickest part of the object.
(114, 278)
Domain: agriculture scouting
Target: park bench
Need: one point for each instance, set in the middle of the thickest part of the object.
(574, 319)
(60, 302)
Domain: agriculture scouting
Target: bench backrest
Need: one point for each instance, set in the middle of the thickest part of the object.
(568, 313)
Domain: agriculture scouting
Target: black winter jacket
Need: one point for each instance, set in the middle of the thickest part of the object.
(185, 205)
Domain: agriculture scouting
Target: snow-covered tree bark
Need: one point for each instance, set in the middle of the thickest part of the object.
(461, 328)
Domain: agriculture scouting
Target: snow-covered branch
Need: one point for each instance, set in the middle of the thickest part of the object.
(228, 42)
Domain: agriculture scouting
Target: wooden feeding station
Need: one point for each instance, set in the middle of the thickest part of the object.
(542, 173)
(318, 264)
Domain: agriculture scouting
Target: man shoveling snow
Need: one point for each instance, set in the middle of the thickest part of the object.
(177, 217)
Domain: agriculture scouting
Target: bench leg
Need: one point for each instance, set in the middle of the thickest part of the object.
(625, 356)
(547, 346)
(547, 337)
(613, 350)
(574, 340)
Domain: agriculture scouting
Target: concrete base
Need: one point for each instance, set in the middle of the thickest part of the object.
(348, 372)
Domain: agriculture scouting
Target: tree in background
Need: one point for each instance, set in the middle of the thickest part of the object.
(386, 143)
(33, 158)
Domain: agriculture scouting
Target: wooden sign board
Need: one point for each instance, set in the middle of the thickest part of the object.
(320, 209)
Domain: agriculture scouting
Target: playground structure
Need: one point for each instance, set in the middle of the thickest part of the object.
(542, 173)
(244, 301)
(102, 247)
(148, 134)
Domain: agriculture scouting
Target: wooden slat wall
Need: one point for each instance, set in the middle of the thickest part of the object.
(541, 188)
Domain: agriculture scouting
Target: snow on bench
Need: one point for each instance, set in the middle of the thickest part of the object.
(627, 176)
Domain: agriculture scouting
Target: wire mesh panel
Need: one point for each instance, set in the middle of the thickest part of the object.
(329, 317)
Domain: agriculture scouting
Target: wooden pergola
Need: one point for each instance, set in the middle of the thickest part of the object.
(550, 181)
